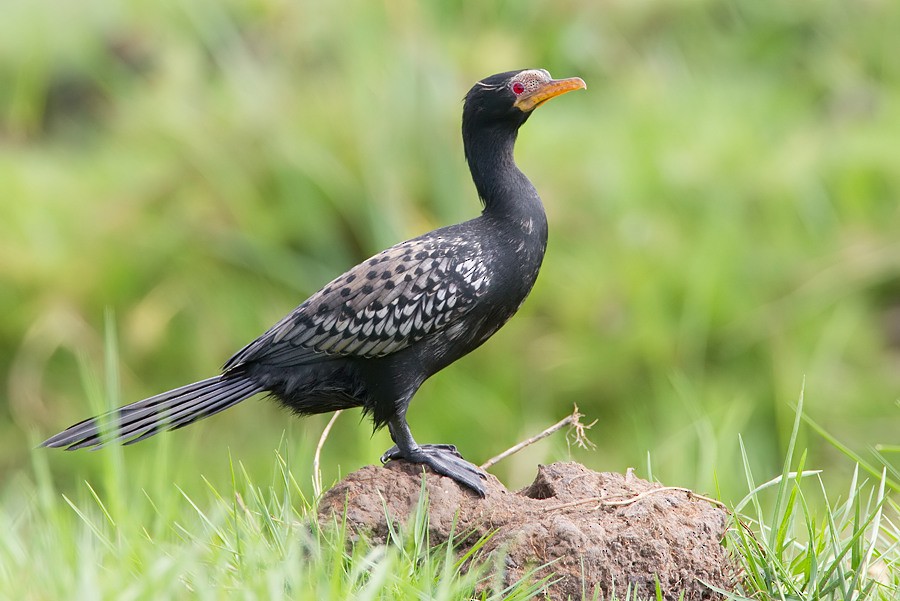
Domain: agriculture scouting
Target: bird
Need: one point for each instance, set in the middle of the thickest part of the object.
(374, 334)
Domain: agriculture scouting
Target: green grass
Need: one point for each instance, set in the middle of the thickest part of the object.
(136, 534)
(260, 540)
(252, 541)
(850, 549)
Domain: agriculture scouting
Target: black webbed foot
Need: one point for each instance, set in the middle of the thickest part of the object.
(444, 459)
(394, 451)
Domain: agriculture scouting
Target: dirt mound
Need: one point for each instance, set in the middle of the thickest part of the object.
(601, 530)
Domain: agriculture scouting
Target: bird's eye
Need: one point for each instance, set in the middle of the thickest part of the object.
(518, 87)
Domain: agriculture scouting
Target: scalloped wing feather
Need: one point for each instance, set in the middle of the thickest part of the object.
(383, 305)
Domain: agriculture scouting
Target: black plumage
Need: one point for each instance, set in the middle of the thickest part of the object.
(372, 336)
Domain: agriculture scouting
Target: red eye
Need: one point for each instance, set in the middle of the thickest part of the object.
(518, 88)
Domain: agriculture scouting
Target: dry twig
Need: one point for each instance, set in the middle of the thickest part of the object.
(317, 475)
(572, 420)
(619, 501)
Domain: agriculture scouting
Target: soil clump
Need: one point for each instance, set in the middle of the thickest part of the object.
(590, 530)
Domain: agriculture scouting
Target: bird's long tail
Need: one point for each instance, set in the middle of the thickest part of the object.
(167, 411)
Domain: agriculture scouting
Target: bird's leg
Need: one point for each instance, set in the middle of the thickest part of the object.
(405, 435)
(444, 459)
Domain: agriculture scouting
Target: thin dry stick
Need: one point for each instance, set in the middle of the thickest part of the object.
(572, 420)
(618, 502)
(317, 475)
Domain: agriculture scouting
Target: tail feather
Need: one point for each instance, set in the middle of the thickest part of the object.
(197, 410)
(166, 411)
(123, 417)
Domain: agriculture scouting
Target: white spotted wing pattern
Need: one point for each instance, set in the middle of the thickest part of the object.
(399, 296)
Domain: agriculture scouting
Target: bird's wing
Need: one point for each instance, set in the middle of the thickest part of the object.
(379, 307)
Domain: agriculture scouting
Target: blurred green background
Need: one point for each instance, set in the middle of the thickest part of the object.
(723, 205)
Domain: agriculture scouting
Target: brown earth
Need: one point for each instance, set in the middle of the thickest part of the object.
(589, 524)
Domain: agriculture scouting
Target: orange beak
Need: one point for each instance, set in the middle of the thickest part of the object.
(551, 89)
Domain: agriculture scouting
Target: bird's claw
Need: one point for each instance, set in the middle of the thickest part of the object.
(445, 460)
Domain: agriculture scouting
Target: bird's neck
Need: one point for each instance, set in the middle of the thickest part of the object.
(506, 192)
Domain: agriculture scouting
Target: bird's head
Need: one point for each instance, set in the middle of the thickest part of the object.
(507, 99)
